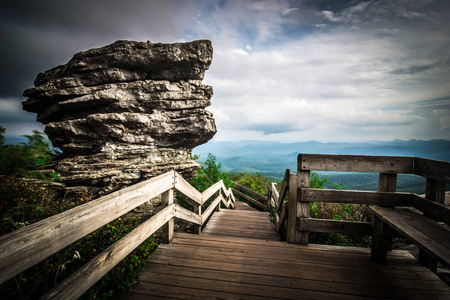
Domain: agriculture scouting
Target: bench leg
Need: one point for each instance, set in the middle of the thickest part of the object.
(380, 242)
(427, 261)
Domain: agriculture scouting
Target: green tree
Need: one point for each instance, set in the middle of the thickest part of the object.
(208, 174)
(24, 159)
(255, 182)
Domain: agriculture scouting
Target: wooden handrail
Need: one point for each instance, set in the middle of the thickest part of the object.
(300, 195)
(355, 163)
(79, 282)
(249, 199)
(27, 246)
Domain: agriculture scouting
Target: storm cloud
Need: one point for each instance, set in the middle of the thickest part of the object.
(282, 70)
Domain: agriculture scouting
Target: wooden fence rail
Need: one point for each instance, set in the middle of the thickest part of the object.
(293, 216)
(256, 199)
(27, 246)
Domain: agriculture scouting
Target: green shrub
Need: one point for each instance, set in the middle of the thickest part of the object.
(25, 159)
(208, 174)
(23, 202)
(255, 182)
(337, 211)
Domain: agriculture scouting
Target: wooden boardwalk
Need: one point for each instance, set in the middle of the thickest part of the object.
(239, 256)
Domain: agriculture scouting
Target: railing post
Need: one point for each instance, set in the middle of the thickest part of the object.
(435, 191)
(218, 205)
(297, 208)
(304, 181)
(167, 229)
(387, 182)
(197, 210)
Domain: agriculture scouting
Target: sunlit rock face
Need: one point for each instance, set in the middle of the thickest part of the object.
(126, 112)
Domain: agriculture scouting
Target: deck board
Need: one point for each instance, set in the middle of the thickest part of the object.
(239, 256)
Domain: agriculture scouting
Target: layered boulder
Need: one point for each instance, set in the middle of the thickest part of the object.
(125, 112)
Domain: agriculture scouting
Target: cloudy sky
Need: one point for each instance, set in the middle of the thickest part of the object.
(326, 70)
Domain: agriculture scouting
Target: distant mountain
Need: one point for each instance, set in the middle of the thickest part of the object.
(272, 158)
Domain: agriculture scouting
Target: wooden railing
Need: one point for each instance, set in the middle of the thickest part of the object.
(293, 216)
(27, 246)
(255, 199)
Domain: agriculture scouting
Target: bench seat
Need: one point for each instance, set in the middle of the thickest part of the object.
(430, 236)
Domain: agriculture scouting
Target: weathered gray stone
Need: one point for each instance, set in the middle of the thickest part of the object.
(126, 112)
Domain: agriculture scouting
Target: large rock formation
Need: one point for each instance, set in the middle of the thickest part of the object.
(125, 112)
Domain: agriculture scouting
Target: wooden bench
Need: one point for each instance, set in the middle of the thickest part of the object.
(431, 237)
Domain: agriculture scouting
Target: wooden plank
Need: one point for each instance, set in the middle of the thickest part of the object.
(284, 187)
(334, 226)
(148, 290)
(79, 282)
(211, 208)
(355, 163)
(303, 256)
(253, 201)
(255, 195)
(304, 179)
(234, 222)
(277, 246)
(208, 193)
(325, 273)
(283, 216)
(27, 246)
(226, 203)
(187, 215)
(357, 197)
(274, 194)
(387, 182)
(248, 235)
(198, 211)
(434, 169)
(291, 283)
(431, 208)
(434, 230)
(309, 254)
(380, 242)
(168, 228)
(182, 186)
(395, 219)
(240, 288)
(292, 213)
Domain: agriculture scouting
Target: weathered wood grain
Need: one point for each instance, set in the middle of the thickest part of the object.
(284, 187)
(283, 216)
(211, 208)
(182, 186)
(355, 163)
(431, 208)
(79, 282)
(209, 192)
(201, 266)
(387, 182)
(253, 201)
(187, 215)
(27, 246)
(357, 197)
(255, 195)
(168, 228)
(418, 229)
(434, 169)
(334, 226)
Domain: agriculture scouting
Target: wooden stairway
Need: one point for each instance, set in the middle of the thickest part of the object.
(238, 256)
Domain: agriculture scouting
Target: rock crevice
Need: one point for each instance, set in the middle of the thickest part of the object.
(126, 112)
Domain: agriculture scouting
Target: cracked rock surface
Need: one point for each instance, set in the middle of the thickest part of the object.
(125, 112)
